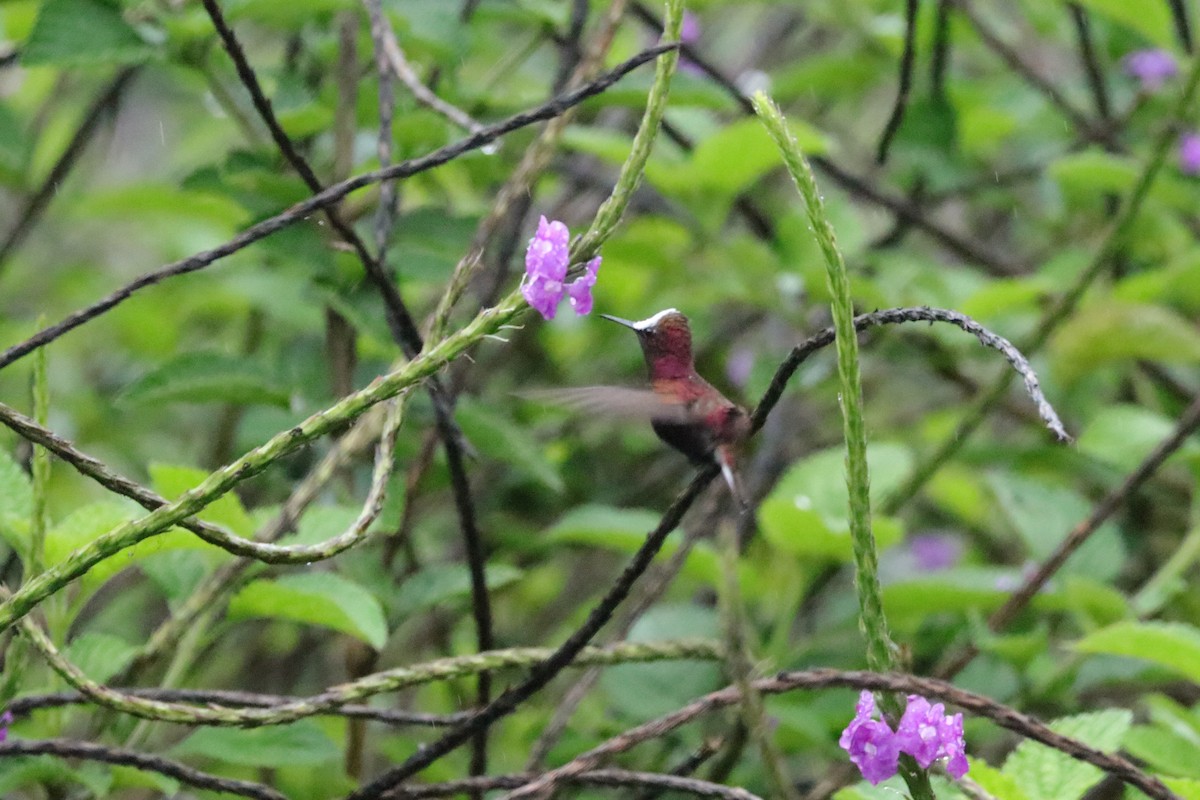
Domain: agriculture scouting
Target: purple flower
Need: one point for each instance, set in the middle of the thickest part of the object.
(872, 746)
(924, 732)
(546, 262)
(579, 291)
(1189, 153)
(1151, 67)
(689, 28)
(934, 551)
(5, 720)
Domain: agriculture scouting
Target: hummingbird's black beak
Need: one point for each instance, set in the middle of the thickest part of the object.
(620, 321)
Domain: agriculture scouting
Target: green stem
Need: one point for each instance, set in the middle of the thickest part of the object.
(378, 683)
(41, 465)
(1061, 310)
(881, 650)
(739, 664)
(610, 212)
(487, 322)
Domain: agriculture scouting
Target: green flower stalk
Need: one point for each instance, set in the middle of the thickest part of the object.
(881, 650)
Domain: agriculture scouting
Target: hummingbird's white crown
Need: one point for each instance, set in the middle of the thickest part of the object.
(650, 322)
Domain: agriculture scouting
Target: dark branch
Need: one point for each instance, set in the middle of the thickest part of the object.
(618, 778)
(332, 195)
(67, 748)
(905, 82)
(37, 204)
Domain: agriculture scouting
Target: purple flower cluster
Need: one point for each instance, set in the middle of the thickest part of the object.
(925, 732)
(546, 263)
(1152, 68)
(5, 720)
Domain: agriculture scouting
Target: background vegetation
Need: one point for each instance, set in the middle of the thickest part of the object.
(994, 159)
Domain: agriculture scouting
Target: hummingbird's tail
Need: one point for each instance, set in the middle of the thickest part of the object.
(725, 459)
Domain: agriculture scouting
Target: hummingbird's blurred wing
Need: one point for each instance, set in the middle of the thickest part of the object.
(616, 401)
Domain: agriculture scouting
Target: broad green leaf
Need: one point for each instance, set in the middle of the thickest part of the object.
(16, 503)
(444, 583)
(1123, 435)
(955, 590)
(1152, 20)
(1104, 332)
(315, 598)
(206, 378)
(807, 513)
(100, 655)
(996, 783)
(83, 526)
(1043, 514)
(1164, 750)
(497, 437)
(73, 33)
(641, 691)
(1186, 788)
(177, 573)
(1044, 773)
(297, 744)
(172, 481)
(1174, 645)
(625, 530)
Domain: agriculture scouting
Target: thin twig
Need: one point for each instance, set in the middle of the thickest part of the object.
(422, 93)
(1183, 28)
(1188, 423)
(96, 113)
(1002, 715)
(596, 777)
(891, 316)
(332, 195)
(905, 82)
(1091, 63)
(90, 751)
(1009, 55)
(213, 534)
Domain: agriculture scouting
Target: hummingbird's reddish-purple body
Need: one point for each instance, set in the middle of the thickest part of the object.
(693, 417)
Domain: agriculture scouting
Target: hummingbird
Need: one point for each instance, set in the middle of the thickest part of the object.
(686, 411)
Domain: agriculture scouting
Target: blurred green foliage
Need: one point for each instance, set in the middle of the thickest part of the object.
(201, 368)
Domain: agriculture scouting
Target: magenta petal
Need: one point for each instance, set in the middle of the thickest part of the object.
(919, 730)
(874, 750)
(1151, 67)
(1189, 153)
(548, 253)
(580, 293)
(544, 295)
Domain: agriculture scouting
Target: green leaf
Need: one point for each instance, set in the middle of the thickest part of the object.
(497, 437)
(1174, 645)
(73, 33)
(172, 481)
(315, 598)
(444, 583)
(624, 530)
(1164, 750)
(1186, 788)
(1123, 435)
(806, 513)
(996, 783)
(1152, 20)
(206, 378)
(133, 778)
(1044, 773)
(1043, 514)
(22, 771)
(100, 655)
(295, 745)
(641, 691)
(16, 503)
(1104, 332)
